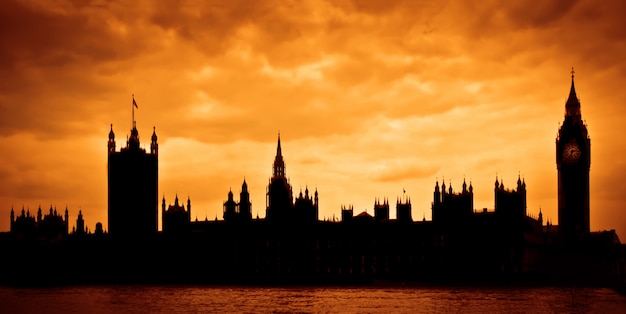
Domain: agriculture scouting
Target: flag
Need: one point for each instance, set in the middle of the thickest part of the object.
(135, 103)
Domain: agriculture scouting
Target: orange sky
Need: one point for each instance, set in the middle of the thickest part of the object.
(370, 98)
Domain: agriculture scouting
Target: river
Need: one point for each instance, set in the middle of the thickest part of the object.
(211, 299)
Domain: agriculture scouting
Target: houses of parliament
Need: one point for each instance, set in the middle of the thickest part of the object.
(292, 245)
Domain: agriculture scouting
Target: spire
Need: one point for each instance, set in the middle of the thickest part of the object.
(154, 145)
(572, 105)
(443, 185)
(111, 143)
(279, 163)
(279, 151)
(244, 186)
(189, 206)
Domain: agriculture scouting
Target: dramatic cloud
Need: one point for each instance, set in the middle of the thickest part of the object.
(370, 98)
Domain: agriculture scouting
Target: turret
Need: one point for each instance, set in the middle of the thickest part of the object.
(436, 194)
(154, 146)
(163, 206)
(80, 223)
(230, 208)
(111, 143)
(189, 207)
(443, 189)
(245, 207)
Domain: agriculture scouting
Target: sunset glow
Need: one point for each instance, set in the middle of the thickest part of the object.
(371, 98)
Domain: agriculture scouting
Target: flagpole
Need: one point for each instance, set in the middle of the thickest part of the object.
(132, 105)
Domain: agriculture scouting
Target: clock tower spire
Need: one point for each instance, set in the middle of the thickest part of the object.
(573, 162)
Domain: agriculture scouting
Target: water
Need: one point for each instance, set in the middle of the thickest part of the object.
(185, 299)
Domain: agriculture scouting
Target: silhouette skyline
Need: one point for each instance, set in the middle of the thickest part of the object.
(395, 95)
(291, 245)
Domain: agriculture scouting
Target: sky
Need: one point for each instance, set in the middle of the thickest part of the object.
(371, 98)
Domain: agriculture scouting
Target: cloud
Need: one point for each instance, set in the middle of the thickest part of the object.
(397, 172)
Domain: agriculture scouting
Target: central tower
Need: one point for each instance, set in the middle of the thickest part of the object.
(573, 161)
(133, 187)
(279, 193)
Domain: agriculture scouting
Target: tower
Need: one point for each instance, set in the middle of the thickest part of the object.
(154, 145)
(80, 223)
(230, 208)
(510, 205)
(111, 143)
(381, 210)
(245, 207)
(176, 220)
(450, 208)
(133, 187)
(573, 161)
(403, 210)
(279, 193)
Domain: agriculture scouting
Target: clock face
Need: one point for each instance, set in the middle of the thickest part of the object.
(571, 153)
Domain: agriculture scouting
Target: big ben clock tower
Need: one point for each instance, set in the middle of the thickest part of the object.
(573, 161)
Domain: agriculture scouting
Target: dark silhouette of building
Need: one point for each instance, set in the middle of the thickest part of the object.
(279, 193)
(176, 220)
(245, 206)
(280, 206)
(238, 212)
(230, 208)
(573, 161)
(502, 245)
(51, 226)
(133, 187)
(306, 207)
(403, 210)
(80, 224)
(381, 210)
(450, 209)
(510, 205)
(347, 213)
